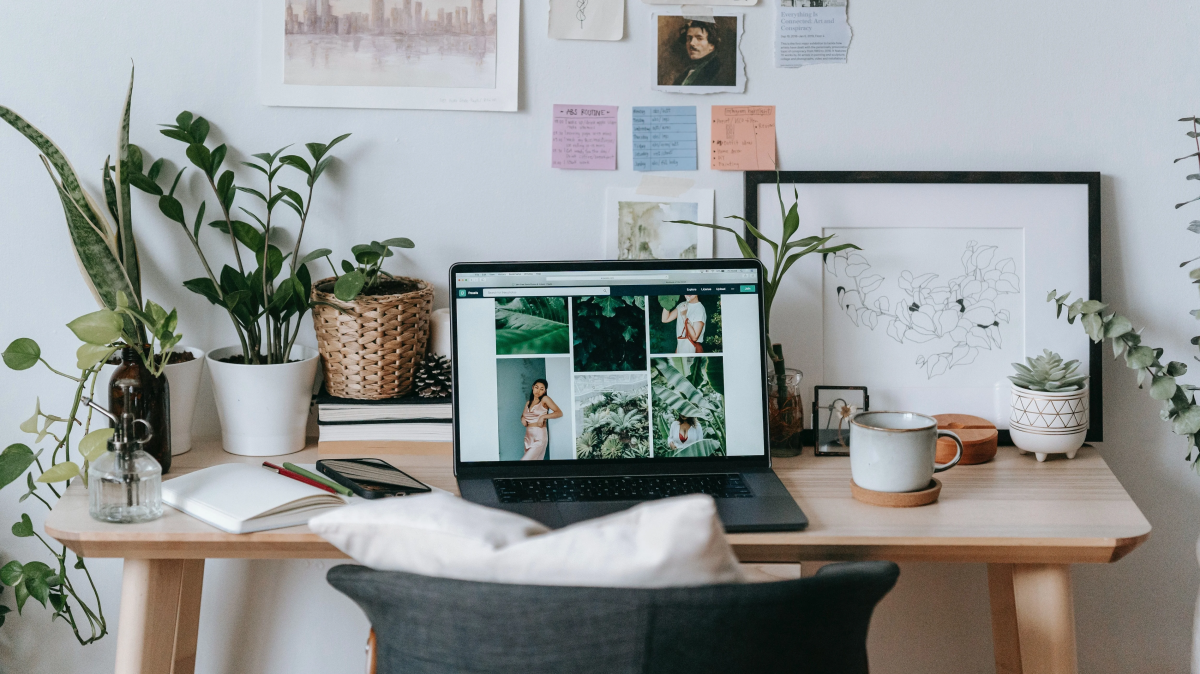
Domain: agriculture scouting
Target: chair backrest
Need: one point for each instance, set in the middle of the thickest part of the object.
(426, 625)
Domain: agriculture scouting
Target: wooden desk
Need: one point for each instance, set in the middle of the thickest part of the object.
(1027, 520)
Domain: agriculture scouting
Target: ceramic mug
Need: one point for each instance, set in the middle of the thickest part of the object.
(894, 451)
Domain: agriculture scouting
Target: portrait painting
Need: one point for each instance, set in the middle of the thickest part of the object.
(699, 54)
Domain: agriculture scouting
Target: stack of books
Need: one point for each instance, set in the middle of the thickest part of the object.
(409, 419)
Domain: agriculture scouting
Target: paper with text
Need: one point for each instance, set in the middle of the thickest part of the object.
(664, 138)
(811, 35)
(743, 138)
(585, 137)
(587, 19)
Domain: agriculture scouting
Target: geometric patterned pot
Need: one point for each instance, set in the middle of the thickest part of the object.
(1049, 423)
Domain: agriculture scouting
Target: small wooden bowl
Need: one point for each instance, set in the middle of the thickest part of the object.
(906, 499)
(979, 438)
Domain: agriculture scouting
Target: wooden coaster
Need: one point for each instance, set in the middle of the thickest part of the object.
(907, 499)
(979, 438)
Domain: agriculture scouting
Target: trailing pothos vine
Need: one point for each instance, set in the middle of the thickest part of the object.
(1181, 408)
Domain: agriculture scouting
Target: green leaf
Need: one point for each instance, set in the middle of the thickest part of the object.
(22, 354)
(349, 285)
(314, 255)
(199, 219)
(1187, 422)
(59, 472)
(14, 461)
(201, 158)
(99, 327)
(129, 161)
(171, 208)
(791, 223)
(145, 184)
(399, 242)
(198, 130)
(24, 528)
(94, 444)
(22, 594)
(1092, 306)
(1176, 369)
(11, 574)
(88, 355)
(297, 162)
(204, 286)
(1119, 325)
(1093, 325)
(218, 157)
(155, 169)
(248, 235)
(1139, 357)
(347, 267)
(1162, 388)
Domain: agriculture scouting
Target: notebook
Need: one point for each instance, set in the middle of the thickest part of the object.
(413, 431)
(241, 498)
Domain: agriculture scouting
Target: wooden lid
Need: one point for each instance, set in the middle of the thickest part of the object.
(979, 437)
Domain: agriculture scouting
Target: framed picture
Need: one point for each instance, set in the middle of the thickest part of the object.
(639, 226)
(698, 54)
(949, 288)
(410, 54)
(833, 408)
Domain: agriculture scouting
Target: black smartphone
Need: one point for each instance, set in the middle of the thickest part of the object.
(371, 478)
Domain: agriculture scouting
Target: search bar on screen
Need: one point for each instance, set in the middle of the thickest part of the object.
(622, 277)
(545, 292)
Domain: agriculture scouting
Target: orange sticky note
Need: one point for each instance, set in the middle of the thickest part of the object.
(743, 138)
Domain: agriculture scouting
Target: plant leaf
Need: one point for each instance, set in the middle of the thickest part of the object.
(126, 156)
(24, 528)
(59, 472)
(349, 285)
(88, 355)
(94, 444)
(22, 354)
(99, 327)
(14, 461)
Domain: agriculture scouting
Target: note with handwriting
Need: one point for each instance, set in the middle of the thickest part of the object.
(585, 137)
(743, 138)
(664, 138)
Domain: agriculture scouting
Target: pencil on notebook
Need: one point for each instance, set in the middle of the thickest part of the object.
(296, 476)
(319, 478)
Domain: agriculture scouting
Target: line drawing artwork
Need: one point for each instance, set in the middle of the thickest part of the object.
(958, 318)
(580, 13)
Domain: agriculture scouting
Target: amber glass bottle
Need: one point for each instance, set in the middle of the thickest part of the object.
(150, 399)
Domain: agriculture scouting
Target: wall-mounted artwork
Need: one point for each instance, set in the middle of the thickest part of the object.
(640, 227)
(419, 54)
(698, 54)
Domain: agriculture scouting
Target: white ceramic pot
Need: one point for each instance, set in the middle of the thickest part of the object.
(184, 382)
(263, 408)
(1049, 423)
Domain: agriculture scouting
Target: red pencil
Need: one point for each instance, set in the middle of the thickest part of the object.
(296, 476)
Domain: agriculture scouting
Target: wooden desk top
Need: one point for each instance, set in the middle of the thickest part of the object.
(1012, 509)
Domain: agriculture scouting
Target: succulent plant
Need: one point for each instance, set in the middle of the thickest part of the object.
(1048, 373)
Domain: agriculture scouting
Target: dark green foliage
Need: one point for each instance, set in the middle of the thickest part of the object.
(614, 427)
(692, 387)
(610, 333)
(531, 325)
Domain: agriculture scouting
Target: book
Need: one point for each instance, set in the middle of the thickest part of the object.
(241, 498)
(334, 409)
(417, 431)
(383, 449)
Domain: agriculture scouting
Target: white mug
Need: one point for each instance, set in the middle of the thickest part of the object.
(894, 451)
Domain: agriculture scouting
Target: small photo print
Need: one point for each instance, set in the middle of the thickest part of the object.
(685, 324)
(612, 416)
(531, 325)
(699, 56)
(645, 231)
(688, 402)
(610, 333)
(531, 425)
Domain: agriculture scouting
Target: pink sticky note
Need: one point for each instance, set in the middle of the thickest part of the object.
(585, 137)
(743, 138)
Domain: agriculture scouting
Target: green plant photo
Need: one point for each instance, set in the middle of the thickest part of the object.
(688, 398)
(531, 325)
(609, 333)
(614, 427)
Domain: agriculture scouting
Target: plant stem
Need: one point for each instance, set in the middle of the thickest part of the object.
(220, 293)
(61, 374)
(228, 223)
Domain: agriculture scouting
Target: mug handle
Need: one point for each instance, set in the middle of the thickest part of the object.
(939, 467)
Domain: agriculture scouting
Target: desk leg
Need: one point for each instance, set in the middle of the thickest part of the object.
(1033, 618)
(160, 602)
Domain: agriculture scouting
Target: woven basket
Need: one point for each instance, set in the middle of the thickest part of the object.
(371, 351)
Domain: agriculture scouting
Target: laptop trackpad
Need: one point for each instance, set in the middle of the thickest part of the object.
(546, 513)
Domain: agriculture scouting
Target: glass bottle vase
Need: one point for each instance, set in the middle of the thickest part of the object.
(785, 408)
(150, 398)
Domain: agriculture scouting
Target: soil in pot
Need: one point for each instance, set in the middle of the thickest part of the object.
(176, 357)
(384, 287)
(241, 360)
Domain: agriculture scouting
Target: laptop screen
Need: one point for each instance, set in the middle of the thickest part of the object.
(618, 361)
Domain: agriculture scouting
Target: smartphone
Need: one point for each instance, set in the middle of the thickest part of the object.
(371, 478)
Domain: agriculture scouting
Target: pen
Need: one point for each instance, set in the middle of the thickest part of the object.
(319, 478)
(299, 478)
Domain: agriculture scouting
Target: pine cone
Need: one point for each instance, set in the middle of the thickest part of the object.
(433, 377)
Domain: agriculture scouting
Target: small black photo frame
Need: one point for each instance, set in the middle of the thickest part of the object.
(833, 407)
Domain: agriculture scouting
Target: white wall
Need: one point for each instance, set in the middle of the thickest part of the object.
(931, 84)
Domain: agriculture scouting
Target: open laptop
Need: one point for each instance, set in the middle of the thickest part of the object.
(584, 388)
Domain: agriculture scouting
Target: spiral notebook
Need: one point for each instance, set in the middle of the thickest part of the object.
(241, 498)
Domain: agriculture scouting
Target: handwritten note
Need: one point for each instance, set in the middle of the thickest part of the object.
(743, 138)
(664, 139)
(585, 137)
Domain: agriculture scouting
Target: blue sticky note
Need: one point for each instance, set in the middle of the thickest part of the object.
(664, 138)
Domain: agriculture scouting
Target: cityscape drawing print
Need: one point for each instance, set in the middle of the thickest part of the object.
(946, 308)
(390, 43)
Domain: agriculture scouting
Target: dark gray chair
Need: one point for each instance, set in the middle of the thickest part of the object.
(425, 625)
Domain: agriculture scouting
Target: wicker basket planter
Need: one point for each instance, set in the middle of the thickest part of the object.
(371, 350)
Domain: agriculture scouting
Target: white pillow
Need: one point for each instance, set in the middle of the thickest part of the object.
(672, 542)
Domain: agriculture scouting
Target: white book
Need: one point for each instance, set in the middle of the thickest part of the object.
(411, 431)
(348, 412)
(241, 498)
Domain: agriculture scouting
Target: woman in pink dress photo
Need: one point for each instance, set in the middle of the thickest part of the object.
(538, 410)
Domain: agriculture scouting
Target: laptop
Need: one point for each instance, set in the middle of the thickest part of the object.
(584, 388)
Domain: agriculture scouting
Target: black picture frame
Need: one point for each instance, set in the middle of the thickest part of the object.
(752, 180)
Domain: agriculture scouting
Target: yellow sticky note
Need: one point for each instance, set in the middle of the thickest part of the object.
(743, 138)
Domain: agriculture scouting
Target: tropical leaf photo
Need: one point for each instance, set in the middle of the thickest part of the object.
(611, 417)
(610, 333)
(531, 325)
(691, 391)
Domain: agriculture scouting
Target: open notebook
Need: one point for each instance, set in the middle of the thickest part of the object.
(241, 498)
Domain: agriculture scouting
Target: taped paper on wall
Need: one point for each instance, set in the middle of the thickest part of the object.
(664, 138)
(587, 19)
(807, 35)
(585, 137)
(743, 138)
(663, 186)
(699, 55)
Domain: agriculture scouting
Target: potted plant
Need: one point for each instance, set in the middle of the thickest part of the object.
(785, 406)
(372, 327)
(262, 385)
(1049, 406)
(107, 254)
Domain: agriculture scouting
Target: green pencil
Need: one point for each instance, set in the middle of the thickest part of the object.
(319, 478)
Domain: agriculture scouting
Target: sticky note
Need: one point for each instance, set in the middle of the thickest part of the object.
(664, 138)
(585, 137)
(743, 138)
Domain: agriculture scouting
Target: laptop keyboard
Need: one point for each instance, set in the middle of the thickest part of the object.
(618, 487)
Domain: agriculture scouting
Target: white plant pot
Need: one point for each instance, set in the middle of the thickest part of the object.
(263, 408)
(1049, 423)
(184, 382)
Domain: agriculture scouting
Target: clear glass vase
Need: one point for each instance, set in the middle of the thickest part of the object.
(785, 408)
